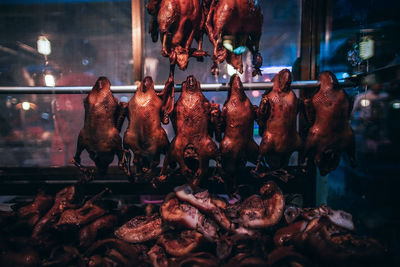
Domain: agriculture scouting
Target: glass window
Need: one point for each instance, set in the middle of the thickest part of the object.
(79, 41)
(364, 45)
(71, 43)
(279, 47)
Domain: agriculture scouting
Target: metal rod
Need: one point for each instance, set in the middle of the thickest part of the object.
(207, 87)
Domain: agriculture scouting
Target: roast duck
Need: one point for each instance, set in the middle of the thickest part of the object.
(277, 116)
(100, 133)
(178, 22)
(65, 199)
(144, 136)
(237, 122)
(330, 134)
(327, 236)
(233, 26)
(192, 146)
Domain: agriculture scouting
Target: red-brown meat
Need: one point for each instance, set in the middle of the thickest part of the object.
(330, 134)
(192, 144)
(237, 146)
(277, 118)
(240, 20)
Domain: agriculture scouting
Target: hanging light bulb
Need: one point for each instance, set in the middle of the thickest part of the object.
(49, 80)
(26, 105)
(44, 46)
(228, 42)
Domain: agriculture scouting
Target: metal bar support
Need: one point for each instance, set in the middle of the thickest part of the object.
(206, 87)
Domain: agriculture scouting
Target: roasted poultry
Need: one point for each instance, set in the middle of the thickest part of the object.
(330, 244)
(180, 244)
(277, 116)
(144, 135)
(210, 205)
(178, 22)
(192, 146)
(115, 252)
(175, 213)
(157, 256)
(238, 146)
(302, 219)
(233, 25)
(32, 212)
(83, 215)
(337, 217)
(260, 211)
(330, 134)
(90, 233)
(63, 200)
(100, 133)
(140, 229)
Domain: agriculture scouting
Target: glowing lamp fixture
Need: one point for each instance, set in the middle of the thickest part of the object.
(366, 48)
(230, 69)
(228, 44)
(26, 105)
(364, 103)
(49, 80)
(396, 105)
(43, 46)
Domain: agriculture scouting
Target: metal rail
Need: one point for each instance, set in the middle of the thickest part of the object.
(207, 87)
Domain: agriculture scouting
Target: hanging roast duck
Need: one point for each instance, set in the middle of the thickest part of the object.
(330, 134)
(238, 146)
(192, 147)
(100, 133)
(179, 22)
(144, 135)
(277, 118)
(233, 26)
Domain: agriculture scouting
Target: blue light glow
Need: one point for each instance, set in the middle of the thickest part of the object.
(274, 69)
(239, 50)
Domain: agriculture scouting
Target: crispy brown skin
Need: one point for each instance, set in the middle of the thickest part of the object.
(180, 214)
(34, 211)
(40, 204)
(88, 234)
(180, 244)
(284, 235)
(238, 146)
(179, 22)
(277, 117)
(263, 211)
(330, 134)
(85, 214)
(100, 133)
(62, 201)
(144, 135)
(81, 216)
(317, 240)
(241, 19)
(157, 256)
(192, 118)
(140, 229)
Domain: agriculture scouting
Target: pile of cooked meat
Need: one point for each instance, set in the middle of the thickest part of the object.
(190, 228)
